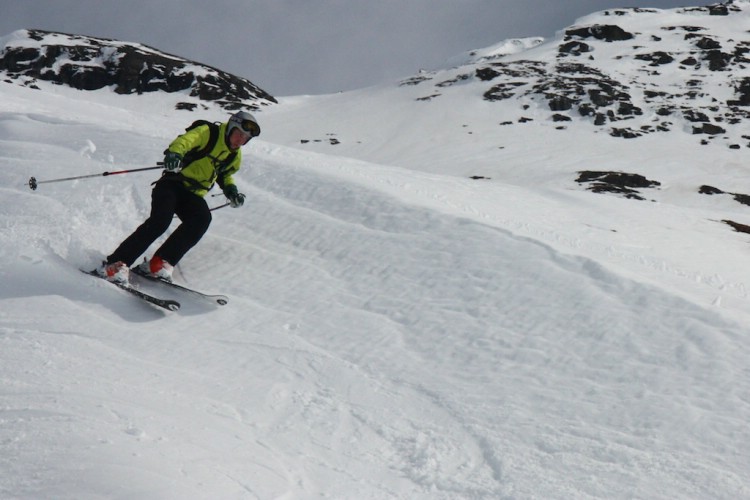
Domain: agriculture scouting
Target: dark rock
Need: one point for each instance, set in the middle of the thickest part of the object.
(657, 58)
(416, 80)
(689, 29)
(628, 109)
(664, 111)
(486, 74)
(557, 117)
(453, 81)
(601, 98)
(186, 106)
(560, 103)
(741, 198)
(88, 63)
(502, 91)
(717, 60)
(707, 43)
(690, 61)
(616, 182)
(574, 48)
(624, 133)
(740, 228)
(606, 32)
(586, 109)
(692, 115)
(742, 87)
(738, 197)
(709, 129)
(740, 51)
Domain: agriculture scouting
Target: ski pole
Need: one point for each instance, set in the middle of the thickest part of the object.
(211, 209)
(33, 183)
(220, 206)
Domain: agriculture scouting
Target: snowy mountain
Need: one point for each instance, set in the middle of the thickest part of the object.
(426, 300)
(628, 72)
(90, 63)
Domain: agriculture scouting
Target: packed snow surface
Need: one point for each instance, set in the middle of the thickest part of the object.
(395, 329)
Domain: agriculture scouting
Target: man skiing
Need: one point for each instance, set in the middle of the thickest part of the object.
(205, 154)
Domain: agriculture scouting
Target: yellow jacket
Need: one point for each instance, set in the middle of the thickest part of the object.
(200, 175)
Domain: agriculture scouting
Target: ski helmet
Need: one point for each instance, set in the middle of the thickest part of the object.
(245, 122)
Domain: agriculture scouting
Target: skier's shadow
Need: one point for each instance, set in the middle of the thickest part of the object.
(55, 278)
(46, 281)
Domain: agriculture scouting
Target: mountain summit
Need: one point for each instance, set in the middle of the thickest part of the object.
(89, 63)
(630, 72)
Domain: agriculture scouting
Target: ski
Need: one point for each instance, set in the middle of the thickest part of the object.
(221, 300)
(168, 304)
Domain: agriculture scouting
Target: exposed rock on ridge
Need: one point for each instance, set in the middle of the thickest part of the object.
(630, 72)
(89, 63)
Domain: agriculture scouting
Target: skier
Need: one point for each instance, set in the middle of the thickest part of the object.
(205, 154)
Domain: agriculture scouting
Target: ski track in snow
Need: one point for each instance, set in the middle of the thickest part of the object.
(414, 347)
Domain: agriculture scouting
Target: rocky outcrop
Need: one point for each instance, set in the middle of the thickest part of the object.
(625, 184)
(88, 63)
(631, 72)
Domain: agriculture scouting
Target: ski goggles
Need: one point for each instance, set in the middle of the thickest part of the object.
(250, 127)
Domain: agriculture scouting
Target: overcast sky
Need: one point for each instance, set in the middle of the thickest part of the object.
(295, 47)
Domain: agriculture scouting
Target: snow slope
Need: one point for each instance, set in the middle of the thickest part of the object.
(395, 330)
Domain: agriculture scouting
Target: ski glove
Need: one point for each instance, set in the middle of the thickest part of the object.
(172, 162)
(236, 199)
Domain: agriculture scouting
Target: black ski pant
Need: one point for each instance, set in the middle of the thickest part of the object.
(169, 197)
